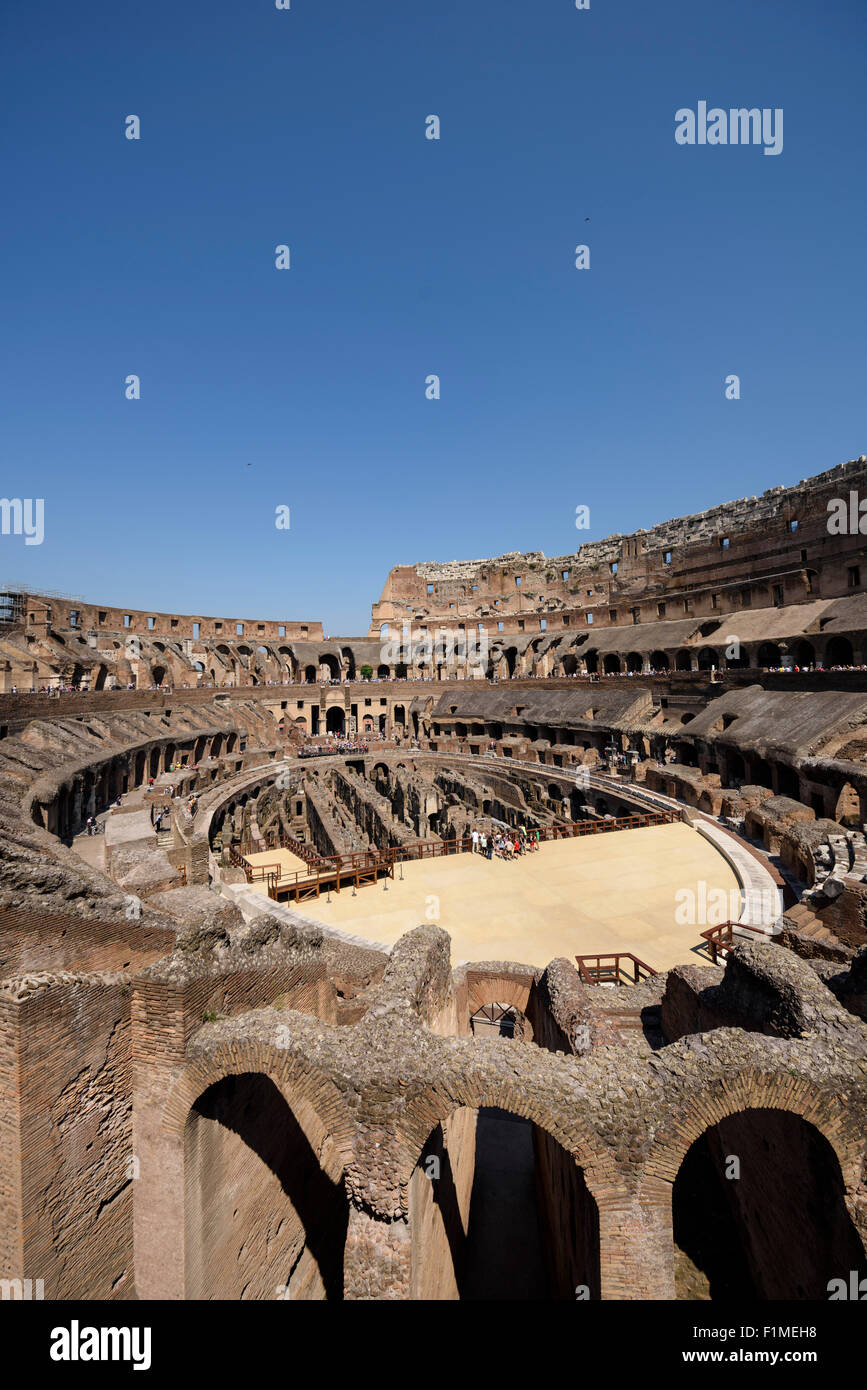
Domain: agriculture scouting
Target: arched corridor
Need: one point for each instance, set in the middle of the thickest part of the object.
(758, 1212)
(263, 1221)
(334, 720)
(500, 1211)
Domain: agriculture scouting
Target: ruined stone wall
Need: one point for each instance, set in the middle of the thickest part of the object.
(777, 541)
(73, 1117)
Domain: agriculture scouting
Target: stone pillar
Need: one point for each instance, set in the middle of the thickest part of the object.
(158, 1189)
(377, 1263)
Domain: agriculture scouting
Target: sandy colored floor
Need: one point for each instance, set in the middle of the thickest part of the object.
(290, 864)
(600, 893)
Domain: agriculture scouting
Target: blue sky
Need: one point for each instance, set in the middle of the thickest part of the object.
(306, 387)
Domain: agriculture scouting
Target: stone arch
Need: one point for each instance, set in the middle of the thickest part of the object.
(611, 664)
(659, 660)
(749, 1089)
(768, 654)
(707, 659)
(804, 653)
(262, 1218)
(758, 1237)
(683, 660)
(335, 719)
(308, 1094)
(473, 1091)
(838, 652)
(439, 1213)
(634, 661)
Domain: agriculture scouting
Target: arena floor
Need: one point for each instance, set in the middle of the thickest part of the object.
(599, 893)
(290, 864)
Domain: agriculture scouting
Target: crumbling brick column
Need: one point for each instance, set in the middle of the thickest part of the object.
(636, 1246)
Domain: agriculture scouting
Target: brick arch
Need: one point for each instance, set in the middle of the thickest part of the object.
(489, 987)
(752, 1089)
(434, 1106)
(311, 1095)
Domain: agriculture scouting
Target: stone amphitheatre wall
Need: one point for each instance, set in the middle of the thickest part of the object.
(745, 585)
(66, 1099)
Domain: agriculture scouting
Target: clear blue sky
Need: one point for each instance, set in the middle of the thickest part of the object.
(410, 257)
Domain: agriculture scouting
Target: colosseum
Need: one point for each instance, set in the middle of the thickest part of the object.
(515, 949)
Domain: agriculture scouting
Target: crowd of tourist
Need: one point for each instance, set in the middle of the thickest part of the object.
(322, 750)
(506, 843)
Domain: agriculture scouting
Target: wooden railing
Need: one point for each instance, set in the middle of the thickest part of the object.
(608, 969)
(720, 939)
(363, 866)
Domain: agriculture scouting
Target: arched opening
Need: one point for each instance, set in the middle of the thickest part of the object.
(735, 769)
(99, 683)
(310, 675)
(349, 661)
(334, 720)
(760, 774)
(263, 1220)
(758, 1212)
(788, 782)
(400, 671)
(611, 664)
(768, 655)
(707, 659)
(511, 655)
(739, 659)
(683, 661)
(659, 660)
(839, 652)
(158, 674)
(329, 667)
(804, 654)
(634, 661)
(570, 665)
(591, 661)
(382, 672)
(399, 716)
(500, 1211)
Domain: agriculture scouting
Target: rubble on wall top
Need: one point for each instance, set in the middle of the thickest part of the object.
(665, 535)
